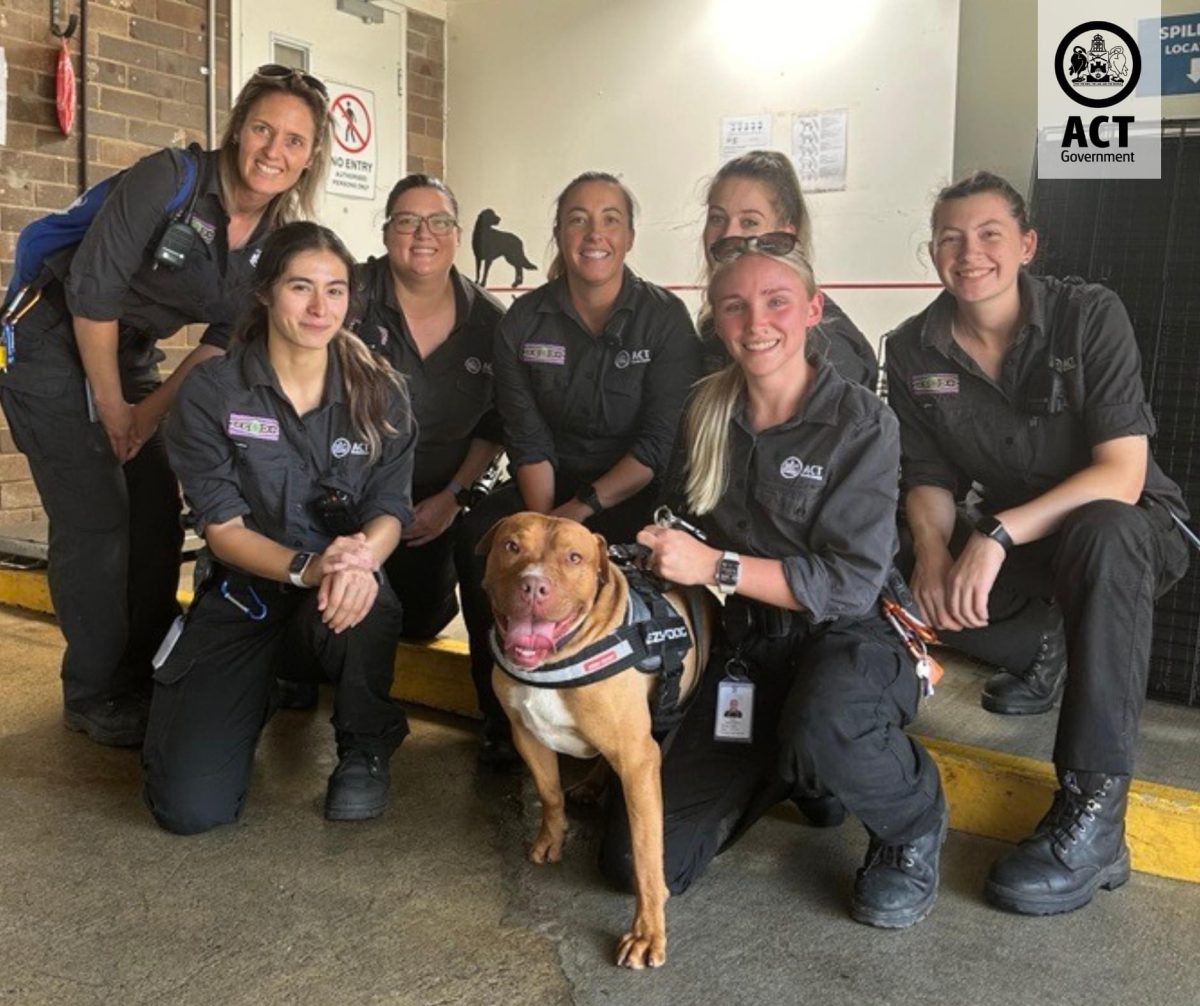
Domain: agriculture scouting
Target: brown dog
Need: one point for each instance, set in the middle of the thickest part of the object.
(555, 594)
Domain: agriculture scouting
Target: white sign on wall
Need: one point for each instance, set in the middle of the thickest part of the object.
(352, 172)
(3, 98)
(742, 133)
(819, 150)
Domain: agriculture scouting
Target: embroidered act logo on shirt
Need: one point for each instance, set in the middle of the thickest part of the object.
(474, 365)
(342, 447)
(935, 384)
(544, 352)
(625, 358)
(255, 427)
(794, 468)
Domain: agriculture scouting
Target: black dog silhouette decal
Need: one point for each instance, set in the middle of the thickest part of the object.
(489, 244)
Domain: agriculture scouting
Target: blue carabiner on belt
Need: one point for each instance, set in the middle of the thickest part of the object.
(257, 613)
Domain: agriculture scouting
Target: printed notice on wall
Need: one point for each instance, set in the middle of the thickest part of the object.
(740, 133)
(819, 150)
(352, 171)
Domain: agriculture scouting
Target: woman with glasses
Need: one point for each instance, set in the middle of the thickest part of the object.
(174, 243)
(1027, 391)
(436, 328)
(592, 370)
(295, 452)
(758, 193)
(790, 471)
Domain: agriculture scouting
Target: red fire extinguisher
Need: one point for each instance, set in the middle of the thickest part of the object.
(64, 77)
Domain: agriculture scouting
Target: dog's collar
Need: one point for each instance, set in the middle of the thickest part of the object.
(651, 632)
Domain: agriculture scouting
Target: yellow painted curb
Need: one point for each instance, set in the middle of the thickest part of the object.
(25, 588)
(990, 793)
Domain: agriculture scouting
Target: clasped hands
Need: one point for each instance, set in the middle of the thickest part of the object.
(345, 578)
(953, 593)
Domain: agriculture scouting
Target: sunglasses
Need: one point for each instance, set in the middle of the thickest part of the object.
(777, 243)
(439, 224)
(277, 71)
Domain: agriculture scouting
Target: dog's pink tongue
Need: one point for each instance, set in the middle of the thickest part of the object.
(528, 640)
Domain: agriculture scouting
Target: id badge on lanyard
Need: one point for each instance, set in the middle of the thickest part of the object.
(735, 704)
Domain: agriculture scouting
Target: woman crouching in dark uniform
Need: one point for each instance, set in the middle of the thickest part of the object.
(791, 471)
(300, 430)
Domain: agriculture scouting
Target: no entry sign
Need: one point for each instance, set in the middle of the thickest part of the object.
(352, 172)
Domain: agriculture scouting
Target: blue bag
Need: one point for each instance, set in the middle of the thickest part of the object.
(48, 235)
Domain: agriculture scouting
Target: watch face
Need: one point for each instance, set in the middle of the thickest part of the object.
(727, 572)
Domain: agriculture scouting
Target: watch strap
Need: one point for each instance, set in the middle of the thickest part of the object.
(990, 527)
(728, 572)
(586, 495)
(297, 569)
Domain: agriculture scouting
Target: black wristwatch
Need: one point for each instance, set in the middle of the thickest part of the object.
(587, 496)
(297, 567)
(989, 527)
(461, 493)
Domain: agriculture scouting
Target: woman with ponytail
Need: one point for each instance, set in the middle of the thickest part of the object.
(790, 470)
(295, 453)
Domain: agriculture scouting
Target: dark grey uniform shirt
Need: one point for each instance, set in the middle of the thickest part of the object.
(583, 402)
(240, 450)
(1071, 380)
(451, 391)
(110, 276)
(818, 492)
(837, 338)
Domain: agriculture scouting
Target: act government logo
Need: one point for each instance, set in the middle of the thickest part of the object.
(1097, 64)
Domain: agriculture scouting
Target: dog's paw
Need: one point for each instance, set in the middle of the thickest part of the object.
(547, 847)
(639, 950)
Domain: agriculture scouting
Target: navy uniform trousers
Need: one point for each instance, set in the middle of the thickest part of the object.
(212, 696)
(830, 706)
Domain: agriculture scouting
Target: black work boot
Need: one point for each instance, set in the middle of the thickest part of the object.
(119, 723)
(358, 788)
(300, 695)
(1078, 846)
(1036, 688)
(821, 811)
(497, 753)
(897, 884)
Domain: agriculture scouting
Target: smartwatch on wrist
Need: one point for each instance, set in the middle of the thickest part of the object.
(729, 572)
(297, 568)
(989, 527)
(461, 493)
(587, 496)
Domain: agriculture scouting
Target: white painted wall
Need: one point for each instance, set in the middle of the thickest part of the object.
(540, 90)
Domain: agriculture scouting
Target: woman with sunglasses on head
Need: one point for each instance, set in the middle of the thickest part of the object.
(755, 194)
(83, 396)
(1029, 389)
(789, 470)
(592, 370)
(295, 453)
(437, 329)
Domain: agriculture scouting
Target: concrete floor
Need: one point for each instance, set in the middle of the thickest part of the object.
(434, 903)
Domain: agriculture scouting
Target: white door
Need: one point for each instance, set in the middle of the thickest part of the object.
(342, 50)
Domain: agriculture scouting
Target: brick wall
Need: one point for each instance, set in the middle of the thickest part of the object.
(426, 91)
(145, 90)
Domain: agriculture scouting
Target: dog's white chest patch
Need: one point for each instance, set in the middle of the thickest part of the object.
(546, 716)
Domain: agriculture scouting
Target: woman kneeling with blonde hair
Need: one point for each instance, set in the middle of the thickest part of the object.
(791, 472)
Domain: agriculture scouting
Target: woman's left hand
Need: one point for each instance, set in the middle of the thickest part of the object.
(431, 517)
(679, 557)
(345, 597)
(971, 579)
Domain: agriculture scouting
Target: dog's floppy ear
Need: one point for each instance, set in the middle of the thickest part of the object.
(601, 558)
(485, 543)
